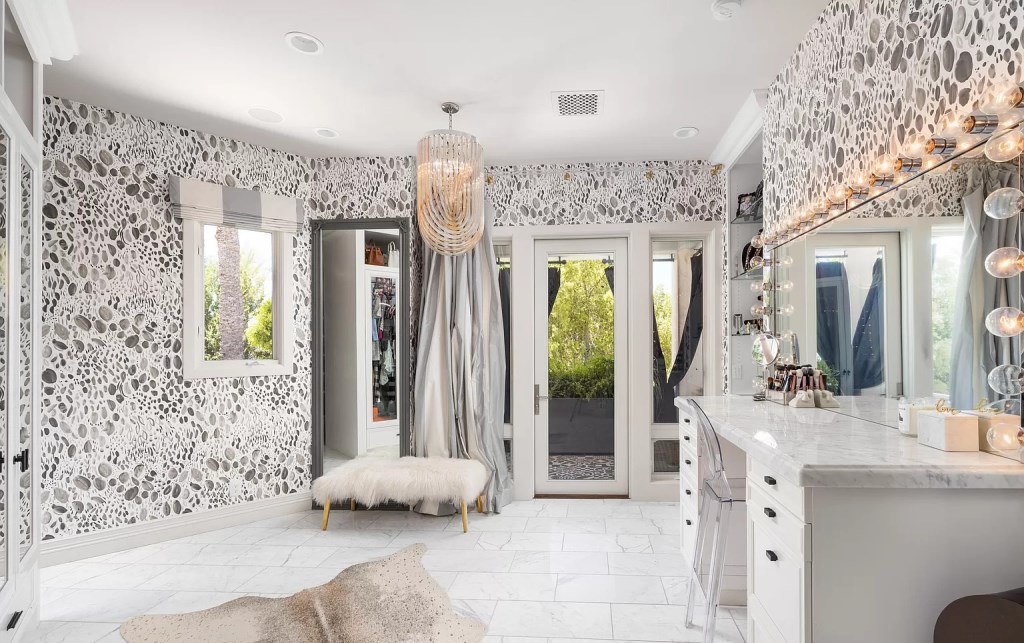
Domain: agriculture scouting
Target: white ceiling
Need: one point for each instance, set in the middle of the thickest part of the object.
(389, 64)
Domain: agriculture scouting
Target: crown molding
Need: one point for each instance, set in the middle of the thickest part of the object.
(744, 129)
(47, 29)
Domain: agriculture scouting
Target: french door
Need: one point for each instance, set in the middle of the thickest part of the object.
(580, 362)
(853, 323)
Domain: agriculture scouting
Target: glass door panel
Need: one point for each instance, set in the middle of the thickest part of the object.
(26, 448)
(580, 407)
(382, 292)
(5, 326)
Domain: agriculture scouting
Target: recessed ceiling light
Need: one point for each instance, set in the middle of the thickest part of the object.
(304, 43)
(686, 132)
(725, 9)
(326, 132)
(265, 115)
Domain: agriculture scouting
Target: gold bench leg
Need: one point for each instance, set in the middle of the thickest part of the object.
(479, 504)
(353, 505)
(327, 513)
(465, 519)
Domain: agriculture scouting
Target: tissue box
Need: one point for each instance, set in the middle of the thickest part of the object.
(987, 421)
(948, 432)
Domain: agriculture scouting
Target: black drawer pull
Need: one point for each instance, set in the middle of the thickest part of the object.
(688, 492)
(770, 481)
(688, 523)
(687, 461)
(687, 420)
(13, 623)
(772, 556)
(686, 437)
(768, 511)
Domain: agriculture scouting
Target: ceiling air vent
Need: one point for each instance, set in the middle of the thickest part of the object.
(588, 103)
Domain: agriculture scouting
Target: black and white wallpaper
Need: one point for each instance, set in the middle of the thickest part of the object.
(870, 76)
(125, 438)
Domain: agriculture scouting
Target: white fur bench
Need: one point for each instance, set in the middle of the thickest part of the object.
(371, 481)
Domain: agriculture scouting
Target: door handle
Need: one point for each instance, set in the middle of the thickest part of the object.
(22, 459)
(537, 397)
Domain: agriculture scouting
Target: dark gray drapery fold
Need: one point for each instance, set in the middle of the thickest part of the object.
(504, 291)
(869, 336)
(832, 291)
(459, 390)
(693, 328)
(975, 351)
(554, 283)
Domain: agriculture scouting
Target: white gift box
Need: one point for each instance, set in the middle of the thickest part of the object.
(908, 416)
(948, 432)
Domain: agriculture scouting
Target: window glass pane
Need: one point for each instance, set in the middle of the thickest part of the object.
(677, 290)
(238, 285)
(947, 246)
(666, 456)
(503, 256)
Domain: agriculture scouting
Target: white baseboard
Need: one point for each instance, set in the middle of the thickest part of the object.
(108, 541)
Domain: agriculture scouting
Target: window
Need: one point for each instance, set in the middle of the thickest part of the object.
(947, 248)
(503, 257)
(237, 297)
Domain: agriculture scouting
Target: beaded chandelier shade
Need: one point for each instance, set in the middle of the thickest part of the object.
(450, 189)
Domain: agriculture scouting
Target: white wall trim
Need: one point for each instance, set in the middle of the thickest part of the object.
(745, 127)
(47, 28)
(108, 541)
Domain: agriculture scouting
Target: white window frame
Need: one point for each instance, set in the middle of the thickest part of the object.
(194, 366)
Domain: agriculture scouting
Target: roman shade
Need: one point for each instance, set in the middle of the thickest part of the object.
(221, 205)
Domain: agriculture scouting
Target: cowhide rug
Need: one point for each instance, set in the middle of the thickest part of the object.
(391, 599)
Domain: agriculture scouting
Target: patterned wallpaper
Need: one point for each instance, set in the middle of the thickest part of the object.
(869, 76)
(125, 438)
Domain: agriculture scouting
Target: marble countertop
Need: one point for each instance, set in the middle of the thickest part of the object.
(821, 448)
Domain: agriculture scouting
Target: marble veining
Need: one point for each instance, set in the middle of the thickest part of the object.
(820, 448)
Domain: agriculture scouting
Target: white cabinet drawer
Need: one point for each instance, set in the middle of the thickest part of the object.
(777, 580)
(778, 520)
(760, 629)
(382, 436)
(780, 490)
(689, 531)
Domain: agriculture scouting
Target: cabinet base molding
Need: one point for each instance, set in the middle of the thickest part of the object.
(108, 541)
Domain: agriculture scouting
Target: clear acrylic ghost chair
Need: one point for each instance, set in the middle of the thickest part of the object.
(716, 505)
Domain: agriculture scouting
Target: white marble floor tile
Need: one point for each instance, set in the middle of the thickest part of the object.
(409, 520)
(601, 509)
(609, 588)
(258, 555)
(566, 525)
(667, 527)
(354, 538)
(507, 587)
(560, 562)
(475, 608)
(304, 556)
(347, 556)
(181, 602)
(269, 536)
(647, 564)
(71, 574)
(676, 589)
(286, 580)
(126, 577)
(61, 632)
(202, 578)
(102, 605)
(444, 579)
(635, 525)
(468, 561)
(159, 554)
(514, 541)
(665, 544)
(209, 537)
(551, 619)
(491, 522)
(536, 509)
(659, 511)
(437, 539)
(607, 543)
(113, 637)
(666, 623)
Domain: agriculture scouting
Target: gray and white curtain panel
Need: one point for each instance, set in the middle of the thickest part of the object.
(220, 205)
(459, 391)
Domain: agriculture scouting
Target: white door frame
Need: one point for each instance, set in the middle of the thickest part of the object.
(642, 486)
(543, 250)
(890, 242)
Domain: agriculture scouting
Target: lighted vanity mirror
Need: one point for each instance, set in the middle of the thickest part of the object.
(895, 298)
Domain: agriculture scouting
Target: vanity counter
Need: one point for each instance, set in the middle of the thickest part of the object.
(821, 448)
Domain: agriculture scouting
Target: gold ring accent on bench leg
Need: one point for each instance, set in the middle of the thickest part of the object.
(353, 505)
(465, 519)
(327, 513)
(479, 504)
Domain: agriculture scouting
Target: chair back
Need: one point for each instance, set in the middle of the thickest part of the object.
(711, 452)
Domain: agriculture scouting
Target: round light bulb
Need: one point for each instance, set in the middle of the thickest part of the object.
(838, 194)
(1007, 379)
(1005, 262)
(786, 309)
(1004, 98)
(757, 311)
(861, 179)
(930, 161)
(785, 261)
(1004, 437)
(949, 126)
(1005, 322)
(1004, 203)
(1006, 147)
(757, 241)
(756, 261)
(916, 148)
(784, 286)
(885, 165)
(757, 286)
